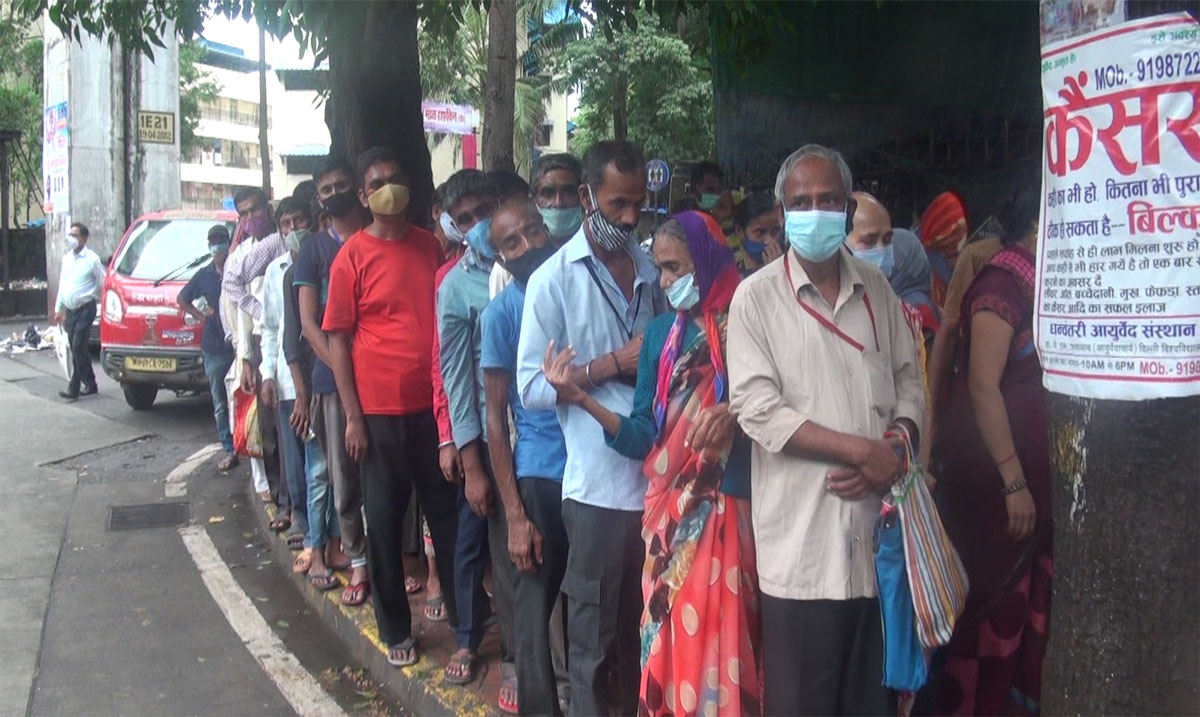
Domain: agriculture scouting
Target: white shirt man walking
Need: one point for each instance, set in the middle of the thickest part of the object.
(79, 286)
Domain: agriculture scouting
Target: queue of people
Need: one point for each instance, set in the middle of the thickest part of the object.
(659, 473)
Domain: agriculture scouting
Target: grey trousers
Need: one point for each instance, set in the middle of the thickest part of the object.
(604, 607)
(823, 657)
(329, 425)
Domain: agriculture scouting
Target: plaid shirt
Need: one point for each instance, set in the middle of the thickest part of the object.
(246, 265)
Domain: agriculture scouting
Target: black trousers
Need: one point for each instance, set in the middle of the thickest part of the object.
(823, 657)
(402, 456)
(78, 326)
(268, 421)
(536, 594)
(604, 607)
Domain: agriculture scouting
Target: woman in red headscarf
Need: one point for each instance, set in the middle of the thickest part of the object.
(943, 229)
(699, 634)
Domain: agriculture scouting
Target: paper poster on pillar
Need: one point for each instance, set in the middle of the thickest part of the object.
(55, 154)
(1118, 287)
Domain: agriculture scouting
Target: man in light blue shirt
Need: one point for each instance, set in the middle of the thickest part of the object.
(79, 286)
(595, 297)
(537, 539)
(469, 198)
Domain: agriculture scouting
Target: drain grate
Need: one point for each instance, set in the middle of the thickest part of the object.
(148, 515)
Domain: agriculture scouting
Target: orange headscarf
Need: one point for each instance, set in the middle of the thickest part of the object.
(943, 229)
(944, 224)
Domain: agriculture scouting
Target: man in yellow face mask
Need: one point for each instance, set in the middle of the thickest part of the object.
(380, 321)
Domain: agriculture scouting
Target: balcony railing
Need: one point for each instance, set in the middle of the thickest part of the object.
(246, 119)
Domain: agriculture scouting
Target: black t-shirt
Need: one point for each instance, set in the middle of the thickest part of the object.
(312, 269)
(207, 283)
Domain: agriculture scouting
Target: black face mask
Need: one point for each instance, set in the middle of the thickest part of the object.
(341, 203)
(523, 266)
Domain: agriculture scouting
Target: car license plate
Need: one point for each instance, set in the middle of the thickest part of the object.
(148, 363)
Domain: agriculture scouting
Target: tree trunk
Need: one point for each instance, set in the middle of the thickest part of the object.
(620, 109)
(1124, 631)
(500, 95)
(375, 98)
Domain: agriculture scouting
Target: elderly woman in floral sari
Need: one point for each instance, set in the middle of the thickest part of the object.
(699, 632)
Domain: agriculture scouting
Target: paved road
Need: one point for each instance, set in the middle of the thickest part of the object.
(192, 619)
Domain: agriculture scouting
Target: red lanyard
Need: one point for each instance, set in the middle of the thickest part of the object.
(787, 267)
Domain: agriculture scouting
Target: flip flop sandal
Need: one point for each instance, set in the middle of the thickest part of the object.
(302, 562)
(265, 496)
(435, 609)
(468, 677)
(295, 541)
(280, 524)
(412, 586)
(356, 594)
(325, 582)
(409, 646)
(509, 683)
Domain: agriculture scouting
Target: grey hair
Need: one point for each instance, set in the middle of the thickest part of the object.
(832, 156)
(673, 229)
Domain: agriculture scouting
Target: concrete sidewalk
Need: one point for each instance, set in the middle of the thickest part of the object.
(35, 435)
(421, 688)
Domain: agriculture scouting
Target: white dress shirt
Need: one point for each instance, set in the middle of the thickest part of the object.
(80, 280)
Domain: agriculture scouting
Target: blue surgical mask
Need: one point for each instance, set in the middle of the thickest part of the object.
(815, 235)
(754, 248)
(477, 238)
(215, 249)
(683, 292)
(562, 222)
(708, 201)
(451, 230)
(883, 257)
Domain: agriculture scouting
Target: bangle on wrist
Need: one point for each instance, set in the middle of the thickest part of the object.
(587, 371)
(1014, 488)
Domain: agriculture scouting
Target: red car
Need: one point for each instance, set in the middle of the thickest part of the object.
(146, 342)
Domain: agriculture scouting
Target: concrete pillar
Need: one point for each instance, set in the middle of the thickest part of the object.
(104, 170)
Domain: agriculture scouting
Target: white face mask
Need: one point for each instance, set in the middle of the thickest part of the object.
(72, 242)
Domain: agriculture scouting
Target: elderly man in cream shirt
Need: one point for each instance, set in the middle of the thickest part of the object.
(822, 364)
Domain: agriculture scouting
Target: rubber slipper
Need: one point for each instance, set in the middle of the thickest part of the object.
(409, 646)
(507, 707)
(435, 609)
(325, 582)
(295, 541)
(356, 594)
(302, 562)
(280, 524)
(469, 676)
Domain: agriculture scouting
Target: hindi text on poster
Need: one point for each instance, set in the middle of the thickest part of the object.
(1118, 302)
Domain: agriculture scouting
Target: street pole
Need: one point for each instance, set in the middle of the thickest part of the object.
(4, 186)
(264, 149)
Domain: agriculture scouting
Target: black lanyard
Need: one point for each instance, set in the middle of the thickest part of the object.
(637, 290)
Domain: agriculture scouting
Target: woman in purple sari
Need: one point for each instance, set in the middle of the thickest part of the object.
(996, 486)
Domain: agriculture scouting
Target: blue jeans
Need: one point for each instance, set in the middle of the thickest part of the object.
(292, 451)
(215, 367)
(482, 541)
(322, 515)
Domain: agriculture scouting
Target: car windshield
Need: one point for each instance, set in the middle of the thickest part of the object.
(158, 247)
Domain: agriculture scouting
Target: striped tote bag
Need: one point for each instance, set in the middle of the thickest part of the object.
(935, 572)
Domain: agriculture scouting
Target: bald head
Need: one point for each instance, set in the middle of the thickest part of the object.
(872, 224)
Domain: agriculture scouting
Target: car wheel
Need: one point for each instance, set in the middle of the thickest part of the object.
(139, 396)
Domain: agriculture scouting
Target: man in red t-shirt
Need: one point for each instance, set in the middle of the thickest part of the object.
(380, 321)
